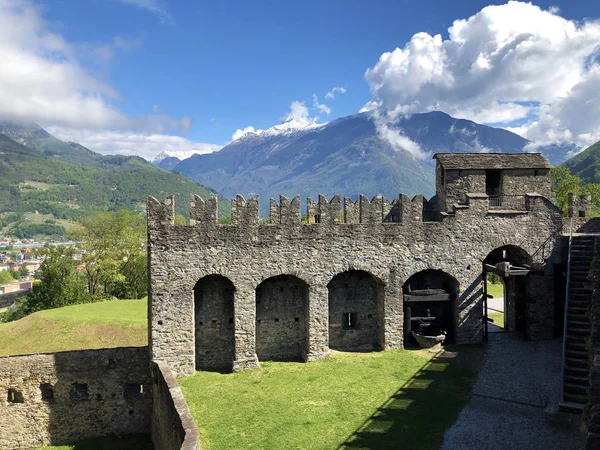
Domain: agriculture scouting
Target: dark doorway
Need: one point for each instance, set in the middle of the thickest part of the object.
(515, 286)
(429, 298)
(281, 319)
(215, 335)
(492, 182)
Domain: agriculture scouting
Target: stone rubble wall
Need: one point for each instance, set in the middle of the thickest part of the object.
(69, 396)
(514, 182)
(173, 426)
(592, 409)
(7, 300)
(247, 253)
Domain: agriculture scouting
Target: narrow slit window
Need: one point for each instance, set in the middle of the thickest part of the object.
(15, 396)
(133, 390)
(350, 321)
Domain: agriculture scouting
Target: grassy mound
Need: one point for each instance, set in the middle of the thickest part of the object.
(117, 323)
(362, 400)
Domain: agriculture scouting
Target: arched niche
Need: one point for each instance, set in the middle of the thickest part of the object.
(214, 323)
(281, 318)
(429, 299)
(355, 311)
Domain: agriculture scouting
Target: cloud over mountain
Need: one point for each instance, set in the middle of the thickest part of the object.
(44, 78)
(513, 64)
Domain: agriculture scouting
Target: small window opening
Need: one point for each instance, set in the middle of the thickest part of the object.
(369, 316)
(79, 392)
(231, 320)
(297, 319)
(318, 218)
(160, 322)
(581, 213)
(15, 396)
(349, 321)
(296, 287)
(131, 412)
(281, 289)
(276, 319)
(133, 390)
(47, 392)
(214, 321)
(200, 323)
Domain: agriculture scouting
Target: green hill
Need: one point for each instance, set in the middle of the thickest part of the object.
(49, 183)
(117, 323)
(586, 164)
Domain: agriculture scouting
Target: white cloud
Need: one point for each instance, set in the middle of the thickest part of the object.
(395, 138)
(505, 63)
(133, 143)
(153, 6)
(42, 78)
(242, 131)
(322, 108)
(335, 90)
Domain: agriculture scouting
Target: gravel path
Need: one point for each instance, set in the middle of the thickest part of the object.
(518, 383)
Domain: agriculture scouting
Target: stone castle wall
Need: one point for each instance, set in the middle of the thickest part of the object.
(64, 397)
(173, 426)
(514, 182)
(389, 241)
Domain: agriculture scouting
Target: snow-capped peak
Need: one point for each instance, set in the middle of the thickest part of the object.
(289, 126)
(161, 156)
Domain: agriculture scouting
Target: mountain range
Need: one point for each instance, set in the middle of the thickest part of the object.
(346, 156)
(40, 173)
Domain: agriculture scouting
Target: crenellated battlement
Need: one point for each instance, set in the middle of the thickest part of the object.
(285, 212)
(324, 211)
(161, 213)
(202, 211)
(401, 210)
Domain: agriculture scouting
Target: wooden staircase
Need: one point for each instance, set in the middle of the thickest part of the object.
(576, 382)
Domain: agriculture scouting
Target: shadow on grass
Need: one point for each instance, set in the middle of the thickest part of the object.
(421, 410)
(134, 441)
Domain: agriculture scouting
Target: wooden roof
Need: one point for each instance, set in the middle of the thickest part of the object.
(450, 161)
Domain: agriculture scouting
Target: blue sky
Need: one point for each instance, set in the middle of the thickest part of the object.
(149, 66)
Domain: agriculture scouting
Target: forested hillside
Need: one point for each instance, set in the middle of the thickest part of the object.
(33, 181)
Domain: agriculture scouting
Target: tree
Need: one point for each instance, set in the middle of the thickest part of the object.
(60, 284)
(563, 184)
(23, 271)
(113, 243)
(15, 274)
(5, 277)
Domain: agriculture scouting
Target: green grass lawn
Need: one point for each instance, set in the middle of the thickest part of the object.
(391, 399)
(495, 290)
(134, 441)
(498, 318)
(117, 323)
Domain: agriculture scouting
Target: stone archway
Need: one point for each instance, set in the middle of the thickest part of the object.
(281, 319)
(429, 299)
(355, 311)
(213, 319)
